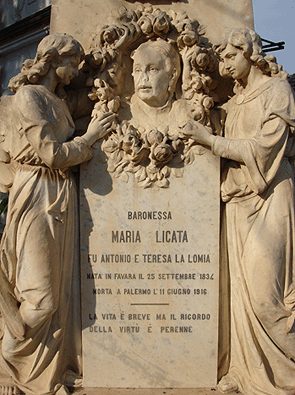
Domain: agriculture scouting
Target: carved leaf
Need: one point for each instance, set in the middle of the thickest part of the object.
(147, 183)
(163, 183)
(190, 157)
(110, 146)
(177, 172)
(143, 174)
(154, 176)
(124, 176)
(119, 171)
(111, 167)
(166, 171)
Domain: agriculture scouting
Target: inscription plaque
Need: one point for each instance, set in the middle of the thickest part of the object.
(150, 278)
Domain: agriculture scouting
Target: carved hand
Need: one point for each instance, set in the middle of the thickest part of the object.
(198, 132)
(188, 54)
(99, 127)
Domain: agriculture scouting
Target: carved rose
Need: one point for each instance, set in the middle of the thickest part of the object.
(202, 60)
(197, 84)
(162, 153)
(114, 104)
(109, 35)
(145, 24)
(128, 142)
(154, 136)
(161, 23)
(198, 111)
(187, 38)
(99, 56)
(126, 15)
(110, 145)
(208, 102)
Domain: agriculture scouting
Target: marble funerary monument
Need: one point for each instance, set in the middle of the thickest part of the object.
(167, 260)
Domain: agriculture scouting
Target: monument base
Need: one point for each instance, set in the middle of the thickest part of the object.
(151, 391)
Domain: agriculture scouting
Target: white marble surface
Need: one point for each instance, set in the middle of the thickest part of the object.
(155, 357)
(81, 18)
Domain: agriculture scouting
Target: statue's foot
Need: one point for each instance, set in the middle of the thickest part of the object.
(227, 384)
(61, 390)
(8, 387)
(71, 379)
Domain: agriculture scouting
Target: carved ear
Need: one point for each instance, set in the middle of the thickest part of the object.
(173, 77)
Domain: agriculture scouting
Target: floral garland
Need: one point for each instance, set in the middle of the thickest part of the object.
(151, 155)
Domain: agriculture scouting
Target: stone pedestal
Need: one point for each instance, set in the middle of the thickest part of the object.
(149, 257)
(150, 278)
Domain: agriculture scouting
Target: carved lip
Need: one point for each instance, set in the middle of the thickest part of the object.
(144, 87)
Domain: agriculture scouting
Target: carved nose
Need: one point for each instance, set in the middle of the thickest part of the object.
(144, 76)
(226, 65)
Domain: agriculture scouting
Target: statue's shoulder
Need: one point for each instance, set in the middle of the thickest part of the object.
(29, 92)
(282, 85)
(7, 123)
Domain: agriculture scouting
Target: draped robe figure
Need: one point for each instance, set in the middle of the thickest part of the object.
(258, 189)
(39, 248)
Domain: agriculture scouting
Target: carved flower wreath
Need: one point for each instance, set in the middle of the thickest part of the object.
(151, 155)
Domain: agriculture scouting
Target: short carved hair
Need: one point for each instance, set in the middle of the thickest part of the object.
(167, 49)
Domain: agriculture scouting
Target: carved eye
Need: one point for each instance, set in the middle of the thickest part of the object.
(137, 70)
(153, 69)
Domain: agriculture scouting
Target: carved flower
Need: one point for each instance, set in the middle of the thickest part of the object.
(99, 56)
(198, 111)
(110, 146)
(154, 136)
(126, 15)
(162, 153)
(187, 38)
(197, 84)
(161, 23)
(202, 60)
(180, 19)
(128, 142)
(109, 35)
(208, 102)
(114, 104)
(100, 91)
(145, 24)
(177, 145)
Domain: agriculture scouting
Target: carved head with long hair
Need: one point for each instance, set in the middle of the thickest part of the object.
(51, 51)
(250, 44)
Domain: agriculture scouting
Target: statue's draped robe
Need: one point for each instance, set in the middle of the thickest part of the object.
(39, 248)
(258, 188)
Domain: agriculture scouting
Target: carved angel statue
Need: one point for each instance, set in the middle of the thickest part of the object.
(39, 257)
(257, 186)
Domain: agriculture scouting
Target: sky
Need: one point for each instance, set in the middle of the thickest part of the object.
(274, 20)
